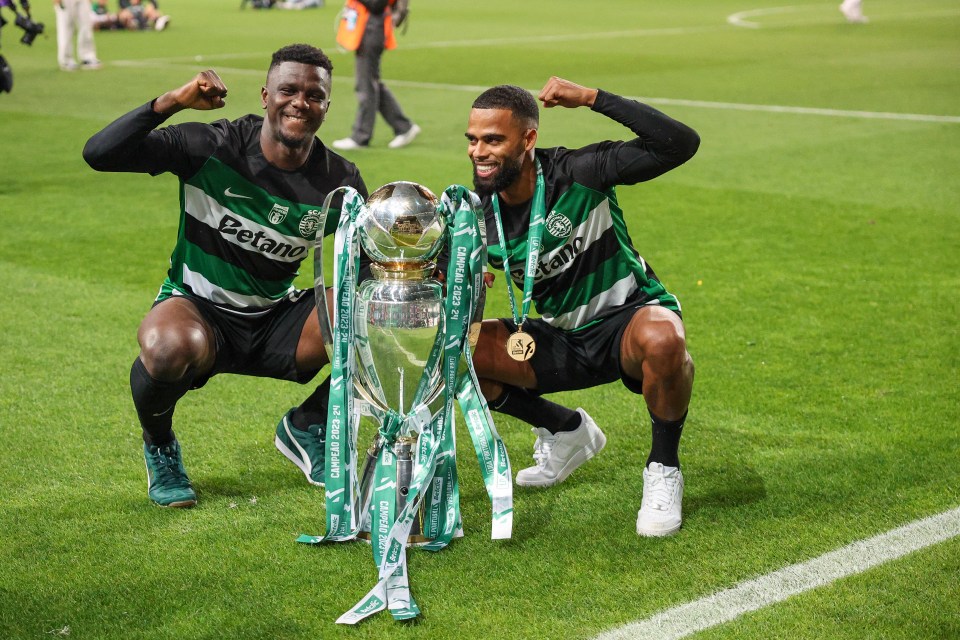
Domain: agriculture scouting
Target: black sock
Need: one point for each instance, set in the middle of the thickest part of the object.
(155, 401)
(666, 441)
(313, 410)
(534, 410)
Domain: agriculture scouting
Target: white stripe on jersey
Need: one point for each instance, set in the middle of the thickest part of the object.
(598, 221)
(217, 295)
(211, 213)
(612, 297)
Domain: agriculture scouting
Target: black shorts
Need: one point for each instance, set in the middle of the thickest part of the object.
(263, 346)
(569, 360)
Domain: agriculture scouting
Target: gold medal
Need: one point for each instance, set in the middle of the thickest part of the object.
(520, 346)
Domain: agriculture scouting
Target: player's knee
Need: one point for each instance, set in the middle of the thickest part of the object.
(665, 348)
(169, 353)
(482, 360)
(485, 352)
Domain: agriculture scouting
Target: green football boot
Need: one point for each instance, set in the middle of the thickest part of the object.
(306, 449)
(167, 481)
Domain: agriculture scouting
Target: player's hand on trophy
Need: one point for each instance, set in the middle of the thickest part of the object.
(563, 93)
(204, 92)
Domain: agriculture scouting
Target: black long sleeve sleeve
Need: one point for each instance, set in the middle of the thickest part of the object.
(662, 144)
(132, 143)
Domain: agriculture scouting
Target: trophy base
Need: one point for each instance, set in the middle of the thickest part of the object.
(404, 449)
(413, 540)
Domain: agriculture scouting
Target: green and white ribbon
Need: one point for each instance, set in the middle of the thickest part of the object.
(534, 237)
(343, 517)
(491, 454)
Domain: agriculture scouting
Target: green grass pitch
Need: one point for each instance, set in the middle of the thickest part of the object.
(815, 249)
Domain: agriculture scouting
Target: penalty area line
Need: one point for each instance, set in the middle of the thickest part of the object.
(857, 557)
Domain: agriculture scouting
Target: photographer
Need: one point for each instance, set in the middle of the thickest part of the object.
(75, 17)
(31, 30)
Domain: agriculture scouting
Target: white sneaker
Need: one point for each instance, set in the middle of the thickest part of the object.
(69, 65)
(347, 144)
(161, 23)
(853, 12)
(558, 454)
(661, 509)
(404, 139)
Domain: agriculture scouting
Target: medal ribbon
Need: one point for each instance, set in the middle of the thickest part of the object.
(534, 236)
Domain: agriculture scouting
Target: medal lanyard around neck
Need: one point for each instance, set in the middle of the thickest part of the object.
(534, 235)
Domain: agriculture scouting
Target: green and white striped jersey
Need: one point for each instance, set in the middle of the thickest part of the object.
(245, 225)
(588, 267)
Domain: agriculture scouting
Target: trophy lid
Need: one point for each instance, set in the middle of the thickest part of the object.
(402, 223)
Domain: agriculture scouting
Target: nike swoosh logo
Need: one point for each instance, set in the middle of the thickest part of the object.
(230, 194)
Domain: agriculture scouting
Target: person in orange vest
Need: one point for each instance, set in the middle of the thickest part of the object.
(366, 26)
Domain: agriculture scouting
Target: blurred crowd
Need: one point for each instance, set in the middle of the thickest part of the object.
(130, 14)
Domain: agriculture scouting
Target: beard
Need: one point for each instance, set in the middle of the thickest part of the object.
(507, 174)
(292, 142)
(294, 137)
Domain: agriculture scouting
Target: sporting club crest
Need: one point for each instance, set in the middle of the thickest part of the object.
(559, 225)
(309, 223)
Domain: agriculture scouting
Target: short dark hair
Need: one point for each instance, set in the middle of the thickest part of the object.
(517, 100)
(302, 53)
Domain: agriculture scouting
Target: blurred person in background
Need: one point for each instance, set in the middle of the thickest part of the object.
(137, 14)
(75, 22)
(103, 20)
(367, 27)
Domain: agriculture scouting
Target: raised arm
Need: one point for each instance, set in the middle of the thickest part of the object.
(130, 143)
(662, 143)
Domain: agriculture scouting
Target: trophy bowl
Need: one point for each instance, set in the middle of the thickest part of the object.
(402, 224)
(400, 311)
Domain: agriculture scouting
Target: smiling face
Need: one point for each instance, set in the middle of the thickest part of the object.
(497, 144)
(296, 98)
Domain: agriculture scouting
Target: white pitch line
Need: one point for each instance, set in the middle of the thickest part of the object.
(737, 19)
(563, 37)
(724, 606)
(599, 36)
(732, 106)
(813, 111)
(700, 104)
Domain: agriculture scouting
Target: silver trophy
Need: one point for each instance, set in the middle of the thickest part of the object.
(402, 355)
(399, 319)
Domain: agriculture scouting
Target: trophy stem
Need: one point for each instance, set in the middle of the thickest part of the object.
(405, 449)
